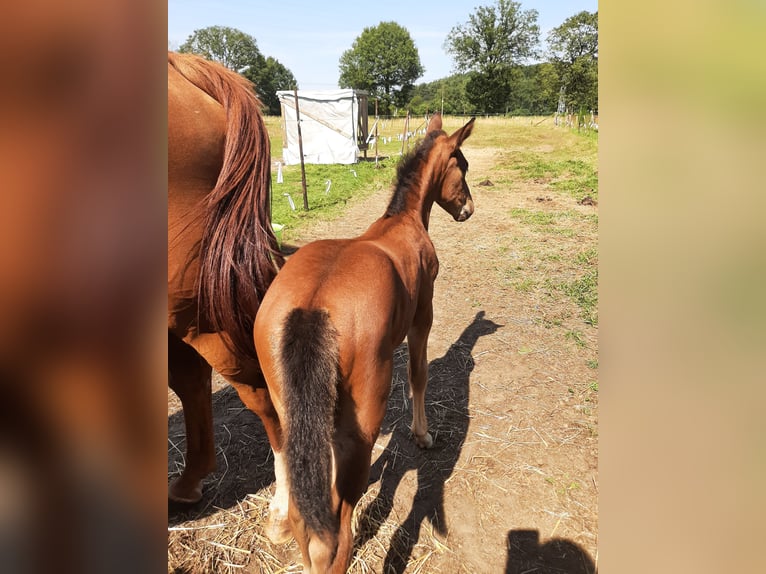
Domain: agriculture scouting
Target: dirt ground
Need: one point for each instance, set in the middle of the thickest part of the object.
(511, 484)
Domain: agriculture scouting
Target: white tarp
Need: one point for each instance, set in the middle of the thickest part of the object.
(329, 126)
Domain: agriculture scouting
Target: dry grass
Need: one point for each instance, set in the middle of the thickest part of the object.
(511, 483)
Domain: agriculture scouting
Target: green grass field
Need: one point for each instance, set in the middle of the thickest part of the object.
(561, 161)
(562, 158)
(330, 187)
(527, 153)
(528, 259)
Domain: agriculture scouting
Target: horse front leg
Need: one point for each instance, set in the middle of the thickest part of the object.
(417, 343)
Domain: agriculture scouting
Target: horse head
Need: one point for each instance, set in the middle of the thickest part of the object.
(453, 194)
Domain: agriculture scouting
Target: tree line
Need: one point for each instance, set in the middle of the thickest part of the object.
(500, 66)
(531, 90)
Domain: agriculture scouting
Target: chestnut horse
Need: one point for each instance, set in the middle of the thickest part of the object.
(326, 333)
(222, 254)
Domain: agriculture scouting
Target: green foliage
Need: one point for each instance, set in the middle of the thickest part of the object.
(488, 91)
(448, 92)
(239, 52)
(576, 38)
(530, 90)
(494, 41)
(270, 76)
(384, 61)
(228, 46)
(495, 37)
(489, 51)
(573, 48)
(533, 90)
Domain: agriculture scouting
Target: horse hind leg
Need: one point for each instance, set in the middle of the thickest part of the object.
(331, 553)
(190, 379)
(358, 425)
(362, 411)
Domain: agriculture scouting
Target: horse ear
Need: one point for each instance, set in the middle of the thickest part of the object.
(462, 134)
(435, 123)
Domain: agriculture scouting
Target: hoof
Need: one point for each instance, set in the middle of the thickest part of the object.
(183, 493)
(425, 441)
(278, 530)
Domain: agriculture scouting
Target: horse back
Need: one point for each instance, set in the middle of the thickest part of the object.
(196, 138)
(370, 296)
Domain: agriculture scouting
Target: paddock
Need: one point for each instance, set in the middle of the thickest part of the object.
(511, 483)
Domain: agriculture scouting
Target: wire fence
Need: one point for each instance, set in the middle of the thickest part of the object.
(405, 127)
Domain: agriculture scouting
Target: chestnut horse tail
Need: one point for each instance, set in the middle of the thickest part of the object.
(309, 352)
(239, 256)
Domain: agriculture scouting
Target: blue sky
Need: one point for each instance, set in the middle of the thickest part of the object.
(309, 36)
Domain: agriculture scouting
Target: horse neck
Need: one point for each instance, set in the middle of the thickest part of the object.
(421, 197)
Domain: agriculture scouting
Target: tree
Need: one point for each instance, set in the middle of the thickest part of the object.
(239, 52)
(545, 89)
(228, 46)
(534, 90)
(573, 49)
(384, 61)
(494, 40)
(488, 91)
(270, 76)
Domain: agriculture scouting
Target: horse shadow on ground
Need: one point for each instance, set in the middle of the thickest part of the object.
(526, 554)
(447, 397)
(245, 463)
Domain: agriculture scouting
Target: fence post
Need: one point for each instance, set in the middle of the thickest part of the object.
(300, 150)
(376, 131)
(406, 128)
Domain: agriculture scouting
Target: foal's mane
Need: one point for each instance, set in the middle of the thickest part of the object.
(408, 173)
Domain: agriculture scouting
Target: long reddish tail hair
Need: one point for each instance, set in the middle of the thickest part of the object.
(239, 256)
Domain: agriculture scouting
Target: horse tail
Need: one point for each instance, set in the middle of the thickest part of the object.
(239, 256)
(309, 352)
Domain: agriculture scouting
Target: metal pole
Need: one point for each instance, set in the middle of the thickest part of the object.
(300, 150)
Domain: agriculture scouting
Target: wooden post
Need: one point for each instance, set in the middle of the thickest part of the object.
(406, 127)
(359, 122)
(300, 150)
(442, 114)
(376, 131)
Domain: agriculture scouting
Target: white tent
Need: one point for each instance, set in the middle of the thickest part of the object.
(333, 125)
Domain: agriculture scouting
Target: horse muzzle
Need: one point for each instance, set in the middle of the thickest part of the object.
(465, 212)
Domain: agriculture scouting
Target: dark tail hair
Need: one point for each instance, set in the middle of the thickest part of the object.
(311, 372)
(239, 256)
